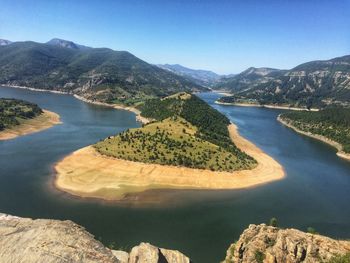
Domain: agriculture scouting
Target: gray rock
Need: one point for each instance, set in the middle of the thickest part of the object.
(146, 253)
(26, 240)
(275, 245)
(48, 241)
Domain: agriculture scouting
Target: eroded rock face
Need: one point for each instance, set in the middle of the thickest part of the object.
(42, 240)
(261, 243)
(54, 241)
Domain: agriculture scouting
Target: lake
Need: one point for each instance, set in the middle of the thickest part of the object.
(201, 224)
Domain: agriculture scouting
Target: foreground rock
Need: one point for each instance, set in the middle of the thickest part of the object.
(261, 243)
(53, 241)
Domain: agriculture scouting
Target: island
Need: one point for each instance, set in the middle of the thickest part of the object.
(19, 117)
(187, 145)
(330, 125)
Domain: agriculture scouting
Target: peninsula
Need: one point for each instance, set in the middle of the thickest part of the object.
(331, 125)
(189, 145)
(18, 117)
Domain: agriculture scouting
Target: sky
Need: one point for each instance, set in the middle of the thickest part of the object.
(219, 35)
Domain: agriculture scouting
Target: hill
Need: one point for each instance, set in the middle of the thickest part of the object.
(332, 124)
(94, 73)
(313, 84)
(186, 132)
(201, 77)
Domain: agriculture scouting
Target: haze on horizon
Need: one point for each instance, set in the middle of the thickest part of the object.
(222, 36)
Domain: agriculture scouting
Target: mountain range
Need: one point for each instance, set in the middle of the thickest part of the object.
(313, 84)
(95, 73)
(201, 77)
(118, 76)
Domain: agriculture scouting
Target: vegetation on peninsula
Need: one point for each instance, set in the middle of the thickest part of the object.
(13, 112)
(187, 132)
(332, 123)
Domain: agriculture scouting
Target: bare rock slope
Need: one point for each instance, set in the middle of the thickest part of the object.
(52, 241)
(261, 243)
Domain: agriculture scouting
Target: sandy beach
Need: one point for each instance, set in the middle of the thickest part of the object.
(265, 106)
(324, 139)
(43, 121)
(86, 173)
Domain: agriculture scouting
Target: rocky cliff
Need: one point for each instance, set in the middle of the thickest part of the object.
(52, 241)
(261, 243)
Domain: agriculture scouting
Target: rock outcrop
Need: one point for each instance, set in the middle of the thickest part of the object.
(53, 241)
(261, 243)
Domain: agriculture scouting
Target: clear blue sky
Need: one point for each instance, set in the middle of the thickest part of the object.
(220, 35)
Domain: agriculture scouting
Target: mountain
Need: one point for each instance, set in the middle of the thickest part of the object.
(246, 79)
(4, 42)
(201, 77)
(95, 73)
(313, 84)
(66, 43)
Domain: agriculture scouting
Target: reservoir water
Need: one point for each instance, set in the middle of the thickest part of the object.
(201, 224)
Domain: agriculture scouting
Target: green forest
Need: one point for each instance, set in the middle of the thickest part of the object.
(13, 111)
(333, 123)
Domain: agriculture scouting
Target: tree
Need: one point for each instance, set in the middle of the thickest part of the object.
(273, 222)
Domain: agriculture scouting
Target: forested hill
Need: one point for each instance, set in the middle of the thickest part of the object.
(13, 111)
(94, 73)
(332, 123)
(187, 132)
(313, 84)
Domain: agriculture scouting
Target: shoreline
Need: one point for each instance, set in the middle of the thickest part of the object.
(324, 139)
(42, 122)
(87, 173)
(137, 112)
(222, 92)
(35, 89)
(264, 106)
(139, 118)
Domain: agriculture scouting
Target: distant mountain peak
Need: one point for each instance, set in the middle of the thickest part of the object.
(259, 71)
(199, 76)
(4, 42)
(66, 43)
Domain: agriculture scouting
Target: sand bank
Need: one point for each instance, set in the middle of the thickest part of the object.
(324, 139)
(281, 107)
(39, 123)
(87, 173)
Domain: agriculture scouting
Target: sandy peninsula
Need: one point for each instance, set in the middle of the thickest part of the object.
(42, 122)
(86, 173)
(324, 139)
(280, 107)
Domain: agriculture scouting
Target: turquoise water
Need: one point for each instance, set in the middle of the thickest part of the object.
(201, 224)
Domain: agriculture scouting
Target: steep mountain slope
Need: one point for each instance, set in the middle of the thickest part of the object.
(201, 77)
(94, 73)
(313, 84)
